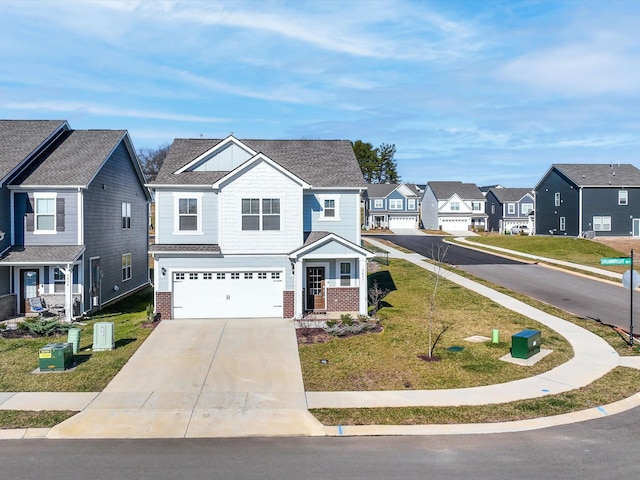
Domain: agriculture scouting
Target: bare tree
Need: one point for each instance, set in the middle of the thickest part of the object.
(438, 255)
(376, 294)
(151, 160)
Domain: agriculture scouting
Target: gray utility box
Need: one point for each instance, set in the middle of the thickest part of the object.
(526, 343)
(103, 336)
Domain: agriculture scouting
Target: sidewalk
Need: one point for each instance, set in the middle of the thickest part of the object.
(593, 358)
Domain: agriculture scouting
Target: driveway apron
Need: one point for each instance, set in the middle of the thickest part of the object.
(203, 378)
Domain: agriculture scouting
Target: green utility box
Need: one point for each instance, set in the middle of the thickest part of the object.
(73, 337)
(526, 343)
(55, 357)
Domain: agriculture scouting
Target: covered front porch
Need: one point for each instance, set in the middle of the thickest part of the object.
(51, 274)
(330, 276)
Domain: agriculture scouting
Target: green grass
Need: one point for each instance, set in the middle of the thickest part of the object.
(576, 250)
(19, 357)
(618, 384)
(389, 360)
(29, 419)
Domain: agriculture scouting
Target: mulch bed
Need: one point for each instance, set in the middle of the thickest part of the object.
(310, 336)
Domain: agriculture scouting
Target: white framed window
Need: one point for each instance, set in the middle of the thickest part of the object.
(275, 275)
(250, 214)
(493, 209)
(260, 214)
(248, 275)
(207, 276)
(455, 206)
(395, 204)
(330, 208)
(345, 274)
(126, 215)
(623, 197)
(601, 224)
(262, 275)
(45, 213)
(58, 280)
(271, 214)
(188, 214)
(476, 206)
(411, 203)
(235, 276)
(556, 199)
(563, 224)
(220, 276)
(526, 208)
(378, 203)
(178, 276)
(511, 208)
(126, 267)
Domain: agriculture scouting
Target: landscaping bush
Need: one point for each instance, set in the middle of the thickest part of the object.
(44, 328)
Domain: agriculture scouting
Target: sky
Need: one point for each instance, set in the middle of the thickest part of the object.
(487, 92)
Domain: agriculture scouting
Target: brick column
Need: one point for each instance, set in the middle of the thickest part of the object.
(163, 305)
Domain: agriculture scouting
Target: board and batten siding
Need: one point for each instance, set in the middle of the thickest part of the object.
(261, 181)
(104, 237)
(166, 221)
(240, 263)
(348, 223)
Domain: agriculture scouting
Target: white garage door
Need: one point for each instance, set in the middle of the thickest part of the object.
(402, 222)
(238, 294)
(455, 224)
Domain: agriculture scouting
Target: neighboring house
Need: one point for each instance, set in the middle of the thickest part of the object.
(572, 199)
(258, 228)
(509, 207)
(485, 189)
(393, 205)
(453, 206)
(76, 209)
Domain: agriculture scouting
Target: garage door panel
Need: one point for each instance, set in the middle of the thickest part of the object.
(402, 222)
(227, 294)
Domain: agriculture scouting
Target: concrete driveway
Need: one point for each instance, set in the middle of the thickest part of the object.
(203, 378)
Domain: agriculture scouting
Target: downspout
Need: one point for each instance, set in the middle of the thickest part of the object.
(580, 211)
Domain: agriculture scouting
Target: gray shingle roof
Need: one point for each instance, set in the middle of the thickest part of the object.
(72, 160)
(381, 190)
(510, 194)
(466, 191)
(321, 163)
(20, 138)
(42, 254)
(600, 174)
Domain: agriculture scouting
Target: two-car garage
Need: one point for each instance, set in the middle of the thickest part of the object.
(399, 222)
(227, 294)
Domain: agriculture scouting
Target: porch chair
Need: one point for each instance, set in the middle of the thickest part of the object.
(36, 306)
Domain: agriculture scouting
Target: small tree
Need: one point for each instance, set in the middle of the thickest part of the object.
(376, 294)
(438, 254)
(151, 160)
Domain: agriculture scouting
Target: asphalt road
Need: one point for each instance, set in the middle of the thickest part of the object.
(600, 449)
(584, 297)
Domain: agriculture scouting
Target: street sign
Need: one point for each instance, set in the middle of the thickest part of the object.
(615, 261)
(631, 279)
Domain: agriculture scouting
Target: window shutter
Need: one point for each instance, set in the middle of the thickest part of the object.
(59, 214)
(30, 225)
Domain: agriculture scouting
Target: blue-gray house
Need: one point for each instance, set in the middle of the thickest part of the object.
(75, 217)
(509, 207)
(572, 199)
(392, 205)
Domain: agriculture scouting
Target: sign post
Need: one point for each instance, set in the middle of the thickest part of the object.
(631, 280)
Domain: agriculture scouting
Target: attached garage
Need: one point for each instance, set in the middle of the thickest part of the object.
(237, 294)
(402, 222)
(454, 224)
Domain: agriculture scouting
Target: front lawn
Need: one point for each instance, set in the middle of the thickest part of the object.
(390, 360)
(19, 356)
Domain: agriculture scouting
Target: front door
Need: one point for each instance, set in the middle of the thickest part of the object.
(315, 288)
(29, 280)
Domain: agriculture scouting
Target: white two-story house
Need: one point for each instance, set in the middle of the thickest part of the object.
(258, 228)
(453, 206)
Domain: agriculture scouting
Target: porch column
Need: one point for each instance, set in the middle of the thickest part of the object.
(364, 291)
(68, 292)
(298, 276)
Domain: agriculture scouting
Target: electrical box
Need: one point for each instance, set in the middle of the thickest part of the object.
(55, 357)
(526, 343)
(103, 336)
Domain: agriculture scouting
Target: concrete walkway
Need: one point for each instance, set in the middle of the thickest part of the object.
(203, 378)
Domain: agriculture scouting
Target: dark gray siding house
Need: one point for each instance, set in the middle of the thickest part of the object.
(80, 223)
(509, 207)
(572, 199)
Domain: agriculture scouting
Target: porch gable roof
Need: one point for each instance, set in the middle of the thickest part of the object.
(315, 240)
(42, 255)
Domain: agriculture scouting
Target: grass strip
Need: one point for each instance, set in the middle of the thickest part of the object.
(31, 419)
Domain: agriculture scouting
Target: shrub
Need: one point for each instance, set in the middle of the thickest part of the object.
(346, 319)
(44, 328)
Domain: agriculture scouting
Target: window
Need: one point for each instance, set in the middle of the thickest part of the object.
(623, 197)
(248, 275)
(220, 276)
(126, 267)
(275, 275)
(377, 203)
(345, 274)
(271, 214)
(601, 224)
(411, 204)
(188, 214)
(511, 208)
(493, 209)
(526, 208)
(329, 208)
(251, 214)
(193, 276)
(58, 280)
(562, 224)
(395, 204)
(262, 275)
(126, 215)
(207, 276)
(476, 206)
(235, 276)
(557, 199)
(45, 213)
(179, 276)
(455, 206)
